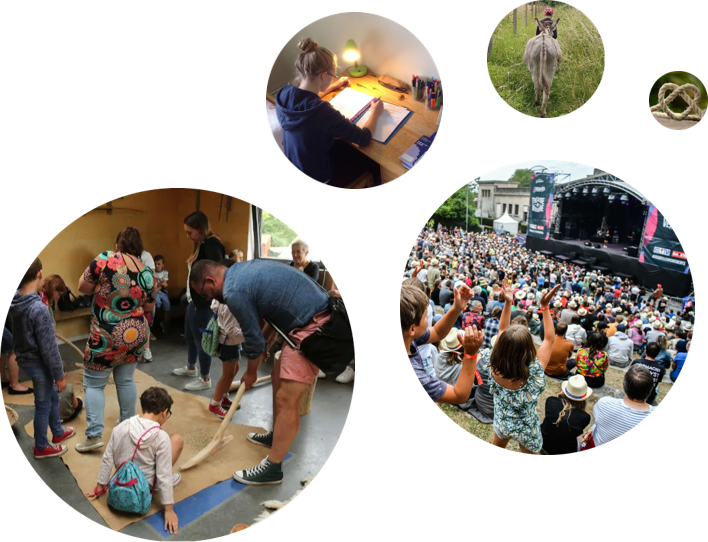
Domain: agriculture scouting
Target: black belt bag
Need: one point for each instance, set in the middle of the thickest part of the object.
(331, 347)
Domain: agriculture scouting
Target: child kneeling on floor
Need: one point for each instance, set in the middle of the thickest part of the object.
(151, 449)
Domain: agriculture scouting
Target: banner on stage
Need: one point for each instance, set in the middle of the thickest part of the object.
(541, 205)
(660, 246)
(522, 239)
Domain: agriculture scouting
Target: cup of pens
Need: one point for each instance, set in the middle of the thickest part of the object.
(427, 90)
(434, 95)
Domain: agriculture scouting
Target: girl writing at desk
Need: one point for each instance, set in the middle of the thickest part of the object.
(311, 125)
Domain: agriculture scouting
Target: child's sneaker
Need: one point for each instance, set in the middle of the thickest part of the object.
(226, 402)
(52, 450)
(185, 371)
(321, 374)
(176, 479)
(346, 376)
(218, 411)
(147, 356)
(264, 439)
(68, 433)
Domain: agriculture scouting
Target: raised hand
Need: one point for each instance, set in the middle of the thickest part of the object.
(462, 297)
(507, 291)
(546, 298)
(471, 340)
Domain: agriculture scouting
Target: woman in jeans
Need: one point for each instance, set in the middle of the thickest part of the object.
(207, 246)
(124, 289)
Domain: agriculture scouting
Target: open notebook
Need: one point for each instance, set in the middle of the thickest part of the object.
(355, 106)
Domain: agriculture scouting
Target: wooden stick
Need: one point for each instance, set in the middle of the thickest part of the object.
(236, 383)
(69, 343)
(218, 441)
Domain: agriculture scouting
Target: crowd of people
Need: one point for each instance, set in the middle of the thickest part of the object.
(586, 321)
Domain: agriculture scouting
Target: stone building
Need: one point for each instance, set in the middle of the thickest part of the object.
(494, 198)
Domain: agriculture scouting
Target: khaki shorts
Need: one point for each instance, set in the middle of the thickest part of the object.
(293, 365)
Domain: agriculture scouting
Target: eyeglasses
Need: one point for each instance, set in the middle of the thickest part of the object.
(337, 71)
(169, 414)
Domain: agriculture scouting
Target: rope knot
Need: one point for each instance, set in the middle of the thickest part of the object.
(662, 110)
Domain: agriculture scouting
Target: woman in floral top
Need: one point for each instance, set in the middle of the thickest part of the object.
(124, 289)
(592, 362)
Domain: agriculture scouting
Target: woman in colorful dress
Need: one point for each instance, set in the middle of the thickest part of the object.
(124, 290)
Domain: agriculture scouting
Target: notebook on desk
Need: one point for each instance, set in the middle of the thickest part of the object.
(356, 106)
(351, 103)
(390, 120)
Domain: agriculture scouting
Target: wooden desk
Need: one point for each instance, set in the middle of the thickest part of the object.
(61, 316)
(421, 123)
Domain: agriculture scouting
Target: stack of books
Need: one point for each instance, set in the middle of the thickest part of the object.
(416, 151)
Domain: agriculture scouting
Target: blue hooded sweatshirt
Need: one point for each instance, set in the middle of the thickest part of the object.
(33, 334)
(309, 127)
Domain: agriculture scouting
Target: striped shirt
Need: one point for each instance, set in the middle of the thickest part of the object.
(613, 419)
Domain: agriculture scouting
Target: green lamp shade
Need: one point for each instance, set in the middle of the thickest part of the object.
(351, 54)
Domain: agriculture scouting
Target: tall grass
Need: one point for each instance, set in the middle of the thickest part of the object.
(576, 79)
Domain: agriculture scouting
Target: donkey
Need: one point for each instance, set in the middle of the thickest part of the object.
(542, 58)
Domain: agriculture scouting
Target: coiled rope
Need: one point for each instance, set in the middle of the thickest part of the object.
(662, 110)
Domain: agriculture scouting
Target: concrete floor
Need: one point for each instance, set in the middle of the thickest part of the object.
(319, 432)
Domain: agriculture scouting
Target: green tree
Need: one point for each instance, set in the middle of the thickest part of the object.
(452, 212)
(281, 235)
(523, 176)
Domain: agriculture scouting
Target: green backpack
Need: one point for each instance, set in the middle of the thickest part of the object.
(210, 337)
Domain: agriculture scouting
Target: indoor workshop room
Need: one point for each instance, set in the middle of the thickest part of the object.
(145, 349)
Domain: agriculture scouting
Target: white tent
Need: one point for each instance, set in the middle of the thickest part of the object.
(506, 223)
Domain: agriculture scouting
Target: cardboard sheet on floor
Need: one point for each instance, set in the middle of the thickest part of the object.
(20, 400)
(190, 419)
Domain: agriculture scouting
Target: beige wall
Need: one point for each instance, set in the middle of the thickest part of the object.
(159, 215)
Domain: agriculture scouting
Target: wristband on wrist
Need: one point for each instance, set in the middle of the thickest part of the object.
(468, 356)
(543, 308)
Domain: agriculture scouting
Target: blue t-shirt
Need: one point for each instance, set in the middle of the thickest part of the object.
(679, 360)
(435, 388)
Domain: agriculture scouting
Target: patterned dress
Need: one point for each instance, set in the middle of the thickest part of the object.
(118, 331)
(516, 411)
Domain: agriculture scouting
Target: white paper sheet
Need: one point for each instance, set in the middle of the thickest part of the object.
(389, 119)
(349, 102)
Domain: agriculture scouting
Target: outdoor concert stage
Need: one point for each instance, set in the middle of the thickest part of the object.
(615, 248)
(615, 261)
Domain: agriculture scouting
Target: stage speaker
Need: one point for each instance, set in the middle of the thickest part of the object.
(633, 251)
(588, 244)
(557, 235)
(598, 246)
(570, 230)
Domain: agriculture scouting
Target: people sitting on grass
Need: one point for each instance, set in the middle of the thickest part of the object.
(678, 363)
(591, 360)
(614, 417)
(620, 349)
(566, 418)
(561, 362)
(656, 369)
(576, 333)
(448, 363)
(491, 327)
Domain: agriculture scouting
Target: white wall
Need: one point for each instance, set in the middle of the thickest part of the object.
(385, 47)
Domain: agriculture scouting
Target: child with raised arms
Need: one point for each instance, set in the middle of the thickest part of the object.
(517, 377)
(414, 327)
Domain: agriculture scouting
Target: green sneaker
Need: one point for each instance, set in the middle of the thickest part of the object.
(263, 474)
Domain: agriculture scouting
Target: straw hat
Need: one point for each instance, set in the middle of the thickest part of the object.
(576, 388)
(608, 306)
(451, 343)
(536, 316)
(582, 311)
(638, 323)
(493, 340)
(557, 304)
(669, 326)
(573, 305)
(657, 324)
(688, 326)
(520, 295)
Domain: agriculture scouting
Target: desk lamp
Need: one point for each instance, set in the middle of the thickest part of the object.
(351, 54)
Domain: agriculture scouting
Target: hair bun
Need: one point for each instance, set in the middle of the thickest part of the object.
(307, 45)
